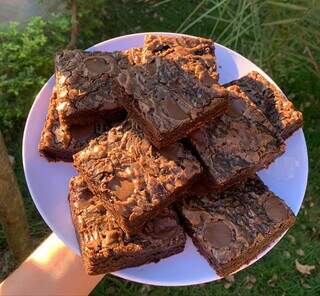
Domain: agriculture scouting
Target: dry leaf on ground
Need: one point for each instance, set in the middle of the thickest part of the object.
(250, 281)
(228, 281)
(272, 281)
(145, 289)
(300, 252)
(286, 254)
(292, 239)
(304, 269)
(227, 285)
(306, 286)
(230, 278)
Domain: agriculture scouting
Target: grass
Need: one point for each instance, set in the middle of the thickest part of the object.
(283, 38)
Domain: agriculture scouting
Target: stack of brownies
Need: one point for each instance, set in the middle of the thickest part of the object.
(159, 143)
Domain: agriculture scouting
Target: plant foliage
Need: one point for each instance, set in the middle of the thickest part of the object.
(26, 62)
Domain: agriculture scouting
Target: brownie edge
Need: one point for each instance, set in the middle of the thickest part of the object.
(233, 227)
(106, 248)
(59, 143)
(270, 100)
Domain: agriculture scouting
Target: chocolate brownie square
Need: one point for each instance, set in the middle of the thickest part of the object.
(169, 98)
(195, 55)
(134, 179)
(233, 227)
(238, 144)
(105, 247)
(60, 142)
(277, 108)
(87, 89)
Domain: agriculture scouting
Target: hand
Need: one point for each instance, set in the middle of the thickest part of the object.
(52, 269)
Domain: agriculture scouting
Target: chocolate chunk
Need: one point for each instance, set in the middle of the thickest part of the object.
(84, 194)
(218, 234)
(84, 197)
(236, 108)
(161, 47)
(202, 51)
(96, 65)
(112, 236)
(171, 108)
(121, 188)
(275, 210)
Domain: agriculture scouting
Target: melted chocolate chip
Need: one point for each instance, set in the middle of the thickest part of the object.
(112, 236)
(84, 194)
(161, 47)
(121, 188)
(96, 65)
(84, 197)
(202, 51)
(275, 210)
(173, 110)
(236, 108)
(218, 234)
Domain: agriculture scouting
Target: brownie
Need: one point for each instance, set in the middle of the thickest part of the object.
(134, 179)
(87, 89)
(194, 54)
(168, 98)
(105, 247)
(277, 108)
(233, 227)
(59, 142)
(238, 144)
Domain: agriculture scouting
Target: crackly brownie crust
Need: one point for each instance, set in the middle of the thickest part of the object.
(233, 227)
(195, 55)
(134, 179)
(238, 144)
(60, 143)
(169, 101)
(105, 247)
(87, 89)
(277, 108)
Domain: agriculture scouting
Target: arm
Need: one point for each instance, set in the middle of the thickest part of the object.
(52, 269)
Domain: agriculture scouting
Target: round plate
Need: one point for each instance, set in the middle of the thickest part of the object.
(48, 182)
